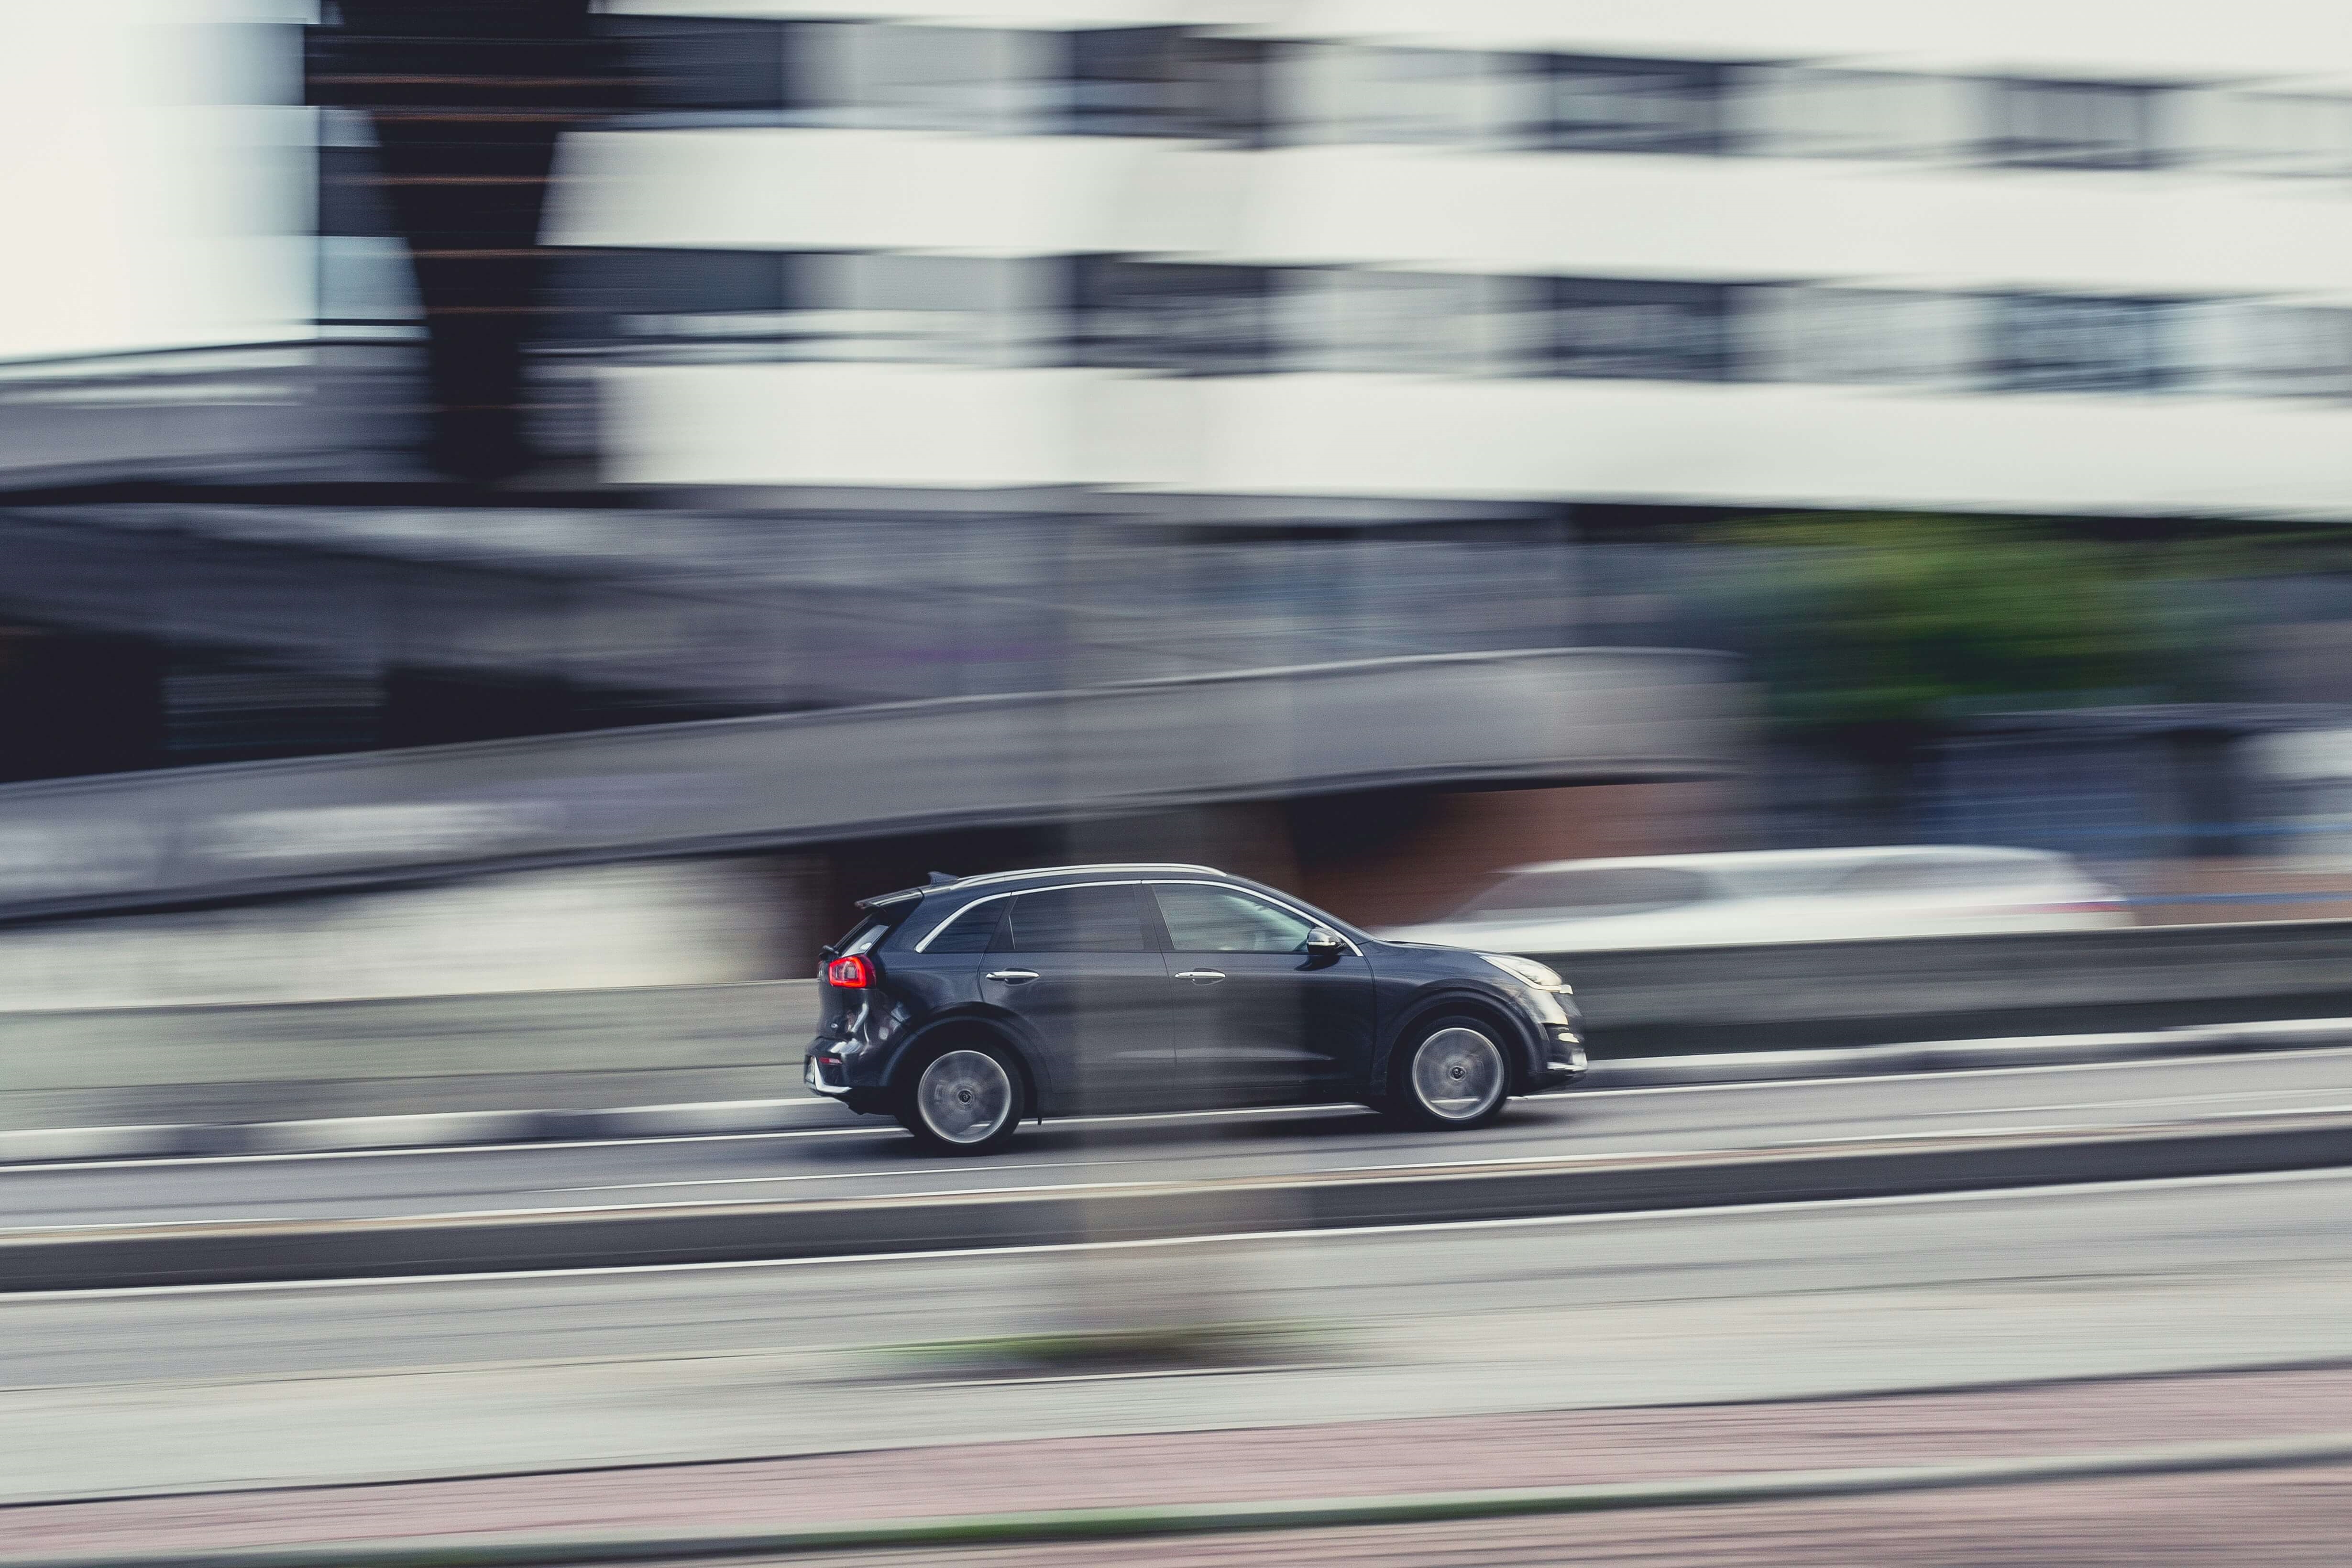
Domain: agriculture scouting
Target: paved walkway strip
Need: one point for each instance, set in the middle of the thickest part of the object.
(564, 1551)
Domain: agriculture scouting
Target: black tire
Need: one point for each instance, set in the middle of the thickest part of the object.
(1451, 1072)
(964, 1098)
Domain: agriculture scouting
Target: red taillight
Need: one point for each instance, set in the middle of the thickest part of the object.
(853, 973)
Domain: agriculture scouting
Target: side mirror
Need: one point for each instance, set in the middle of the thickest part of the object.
(1322, 942)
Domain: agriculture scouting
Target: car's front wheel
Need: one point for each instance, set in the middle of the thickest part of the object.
(1451, 1072)
(965, 1100)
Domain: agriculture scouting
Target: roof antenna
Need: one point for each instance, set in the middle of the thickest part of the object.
(942, 879)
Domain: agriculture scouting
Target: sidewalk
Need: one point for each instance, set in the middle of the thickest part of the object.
(1369, 1458)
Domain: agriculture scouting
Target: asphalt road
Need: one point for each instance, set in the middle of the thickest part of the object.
(851, 1156)
(249, 1386)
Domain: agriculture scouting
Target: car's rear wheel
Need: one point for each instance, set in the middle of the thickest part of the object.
(1451, 1072)
(965, 1100)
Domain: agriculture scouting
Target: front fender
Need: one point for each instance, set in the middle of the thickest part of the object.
(1523, 1041)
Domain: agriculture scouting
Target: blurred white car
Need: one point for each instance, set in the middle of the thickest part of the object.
(1774, 895)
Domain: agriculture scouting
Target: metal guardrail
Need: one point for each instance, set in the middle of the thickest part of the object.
(1572, 715)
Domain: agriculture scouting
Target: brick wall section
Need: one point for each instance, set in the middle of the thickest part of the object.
(1436, 862)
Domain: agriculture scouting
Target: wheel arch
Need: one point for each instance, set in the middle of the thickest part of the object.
(940, 1033)
(1519, 1045)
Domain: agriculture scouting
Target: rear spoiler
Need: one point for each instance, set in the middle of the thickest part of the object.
(938, 879)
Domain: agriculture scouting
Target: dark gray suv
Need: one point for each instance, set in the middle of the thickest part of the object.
(968, 1006)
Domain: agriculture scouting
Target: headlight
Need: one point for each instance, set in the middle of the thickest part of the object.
(1528, 972)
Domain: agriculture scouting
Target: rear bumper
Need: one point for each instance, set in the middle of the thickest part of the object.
(823, 1073)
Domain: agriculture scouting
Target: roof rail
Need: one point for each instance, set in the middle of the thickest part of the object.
(1101, 865)
(939, 883)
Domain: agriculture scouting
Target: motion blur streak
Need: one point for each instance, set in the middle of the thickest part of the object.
(1793, 531)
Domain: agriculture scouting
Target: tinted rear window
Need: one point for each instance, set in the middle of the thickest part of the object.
(1074, 920)
(871, 927)
(1625, 890)
(970, 931)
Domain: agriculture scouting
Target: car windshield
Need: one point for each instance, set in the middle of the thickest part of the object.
(1587, 893)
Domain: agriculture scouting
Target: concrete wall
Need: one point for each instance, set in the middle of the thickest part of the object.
(1440, 847)
(680, 922)
(286, 1062)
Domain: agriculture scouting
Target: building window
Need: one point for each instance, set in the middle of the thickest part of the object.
(665, 296)
(1169, 81)
(1794, 112)
(987, 81)
(705, 64)
(1350, 93)
(2245, 348)
(352, 197)
(735, 305)
(1366, 321)
(1868, 337)
(1650, 331)
(2276, 133)
(2074, 125)
(1196, 320)
(1601, 105)
(366, 281)
(2048, 343)
(933, 309)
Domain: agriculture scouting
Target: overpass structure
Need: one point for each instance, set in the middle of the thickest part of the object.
(179, 836)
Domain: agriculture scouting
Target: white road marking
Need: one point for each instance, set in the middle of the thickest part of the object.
(2149, 1100)
(822, 1176)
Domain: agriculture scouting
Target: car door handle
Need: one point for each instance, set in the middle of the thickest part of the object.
(1201, 976)
(1013, 977)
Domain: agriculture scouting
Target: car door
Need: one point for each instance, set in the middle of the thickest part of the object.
(1082, 967)
(1259, 1021)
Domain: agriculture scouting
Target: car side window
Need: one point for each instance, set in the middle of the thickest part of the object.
(1215, 920)
(1074, 920)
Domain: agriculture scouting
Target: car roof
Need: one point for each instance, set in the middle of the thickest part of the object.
(1000, 878)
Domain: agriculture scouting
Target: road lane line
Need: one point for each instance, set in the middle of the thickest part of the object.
(819, 1175)
(2149, 1100)
(1648, 1216)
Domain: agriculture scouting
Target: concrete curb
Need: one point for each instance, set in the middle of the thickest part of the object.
(725, 1117)
(446, 1129)
(550, 1550)
(772, 1230)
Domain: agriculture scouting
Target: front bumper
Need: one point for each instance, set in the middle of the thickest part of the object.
(1564, 1058)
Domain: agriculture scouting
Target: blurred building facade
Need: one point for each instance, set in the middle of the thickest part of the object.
(871, 356)
(2063, 258)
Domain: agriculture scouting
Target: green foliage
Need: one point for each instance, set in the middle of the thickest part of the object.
(1877, 630)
